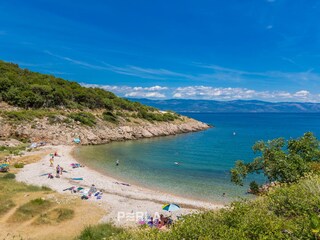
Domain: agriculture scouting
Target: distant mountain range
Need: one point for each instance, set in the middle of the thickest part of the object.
(211, 106)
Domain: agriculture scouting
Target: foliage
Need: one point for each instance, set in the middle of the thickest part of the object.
(289, 211)
(9, 176)
(85, 118)
(155, 116)
(27, 115)
(18, 165)
(101, 231)
(26, 89)
(109, 117)
(280, 160)
(254, 187)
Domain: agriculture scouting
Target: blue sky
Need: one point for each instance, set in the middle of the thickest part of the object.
(197, 49)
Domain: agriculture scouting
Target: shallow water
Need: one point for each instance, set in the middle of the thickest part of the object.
(205, 157)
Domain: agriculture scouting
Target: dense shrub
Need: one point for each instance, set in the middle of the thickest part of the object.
(289, 211)
(26, 89)
(280, 160)
(254, 187)
(9, 176)
(109, 117)
(85, 118)
(101, 231)
(18, 165)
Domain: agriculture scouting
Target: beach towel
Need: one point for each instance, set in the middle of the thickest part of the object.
(77, 179)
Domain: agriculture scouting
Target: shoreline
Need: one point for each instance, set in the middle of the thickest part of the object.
(137, 185)
(116, 196)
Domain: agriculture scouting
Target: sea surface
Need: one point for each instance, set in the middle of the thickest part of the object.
(204, 158)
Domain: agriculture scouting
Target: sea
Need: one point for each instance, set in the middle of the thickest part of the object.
(204, 158)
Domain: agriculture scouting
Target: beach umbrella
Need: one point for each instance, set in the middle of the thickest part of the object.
(170, 207)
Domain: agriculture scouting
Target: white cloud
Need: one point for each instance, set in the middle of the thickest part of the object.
(269, 27)
(209, 93)
(302, 94)
(145, 95)
(138, 92)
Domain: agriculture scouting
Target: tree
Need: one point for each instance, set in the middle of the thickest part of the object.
(280, 160)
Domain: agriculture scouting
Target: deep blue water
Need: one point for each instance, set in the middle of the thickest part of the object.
(206, 157)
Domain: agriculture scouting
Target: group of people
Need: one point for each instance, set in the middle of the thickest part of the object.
(59, 169)
(161, 223)
(55, 154)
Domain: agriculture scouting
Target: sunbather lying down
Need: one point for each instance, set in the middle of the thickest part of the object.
(76, 165)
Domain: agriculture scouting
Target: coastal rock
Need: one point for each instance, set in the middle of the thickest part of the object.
(57, 132)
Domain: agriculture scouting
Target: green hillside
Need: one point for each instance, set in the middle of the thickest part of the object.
(32, 90)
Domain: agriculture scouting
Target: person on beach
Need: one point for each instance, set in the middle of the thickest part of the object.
(92, 190)
(117, 162)
(51, 161)
(58, 169)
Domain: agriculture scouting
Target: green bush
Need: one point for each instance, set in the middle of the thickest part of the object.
(26, 89)
(9, 176)
(254, 187)
(18, 165)
(109, 117)
(101, 231)
(85, 118)
(289, 211)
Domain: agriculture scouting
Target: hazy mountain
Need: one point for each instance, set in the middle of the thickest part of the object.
(186, 105)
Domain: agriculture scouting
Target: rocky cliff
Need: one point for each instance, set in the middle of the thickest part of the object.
(60, 132)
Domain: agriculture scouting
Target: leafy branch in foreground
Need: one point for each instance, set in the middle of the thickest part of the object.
(280, 160)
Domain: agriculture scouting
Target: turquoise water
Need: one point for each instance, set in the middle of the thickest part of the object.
(205, 157)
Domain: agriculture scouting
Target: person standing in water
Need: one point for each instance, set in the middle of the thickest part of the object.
(117, 162)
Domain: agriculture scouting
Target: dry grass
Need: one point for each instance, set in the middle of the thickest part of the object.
(30, 212)
(30, 209)
(55, 216)
(5, 205)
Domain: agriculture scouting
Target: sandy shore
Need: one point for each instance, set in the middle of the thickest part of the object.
(123, 204)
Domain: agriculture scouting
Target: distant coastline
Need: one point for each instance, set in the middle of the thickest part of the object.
(239, 106)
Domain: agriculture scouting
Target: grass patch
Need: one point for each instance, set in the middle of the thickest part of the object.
(101, 231)
(27, 115)
(30, 209)
(5, 205)
(13, 150)
(45, 188)
(55, 216)
(10, 186)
